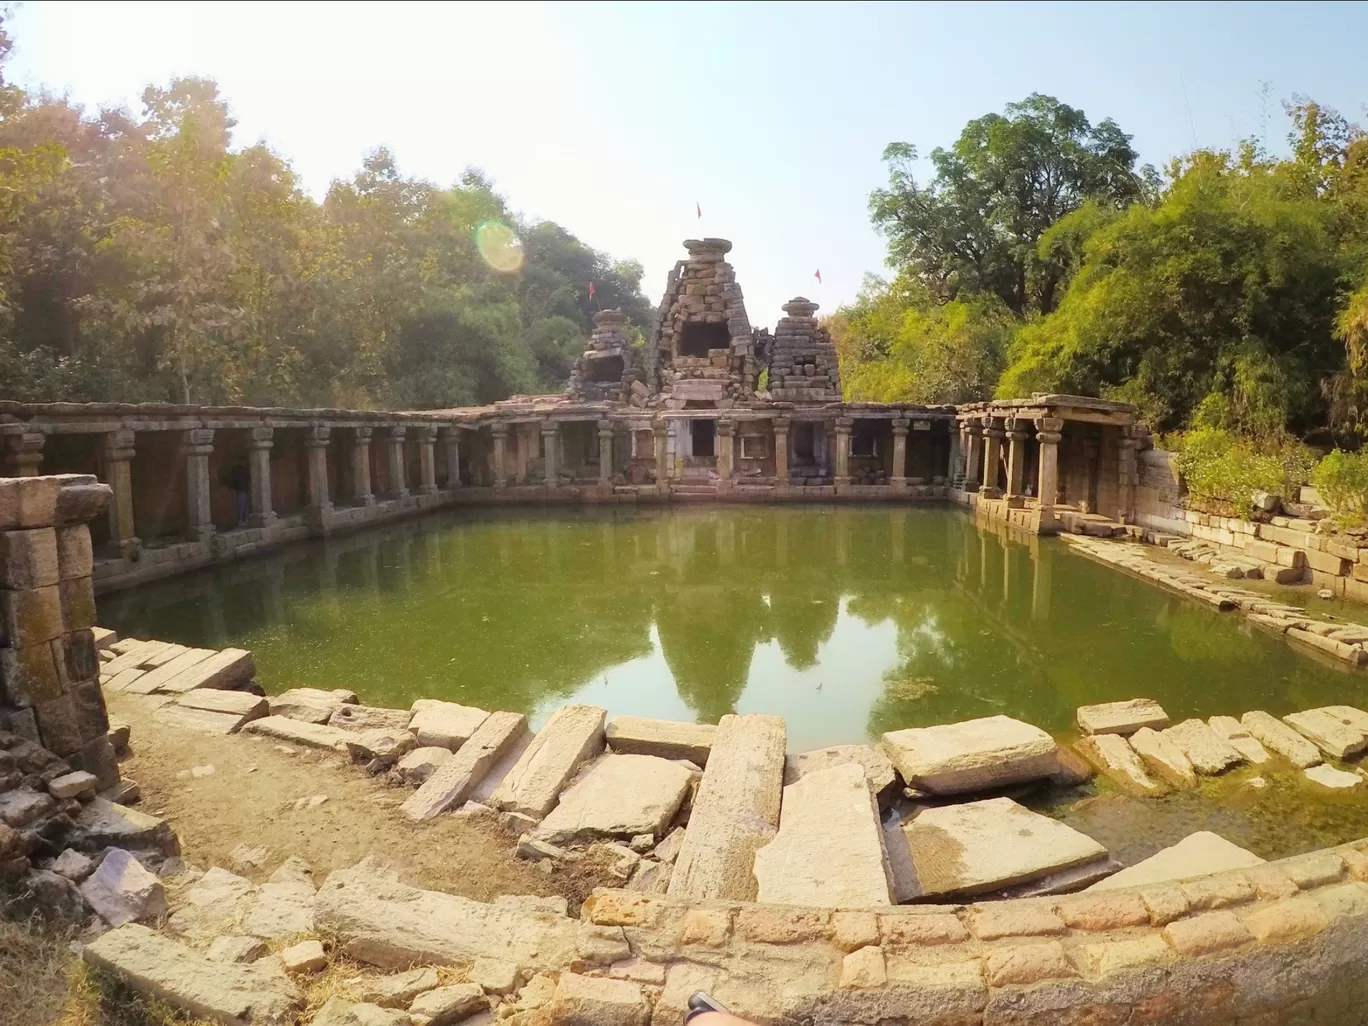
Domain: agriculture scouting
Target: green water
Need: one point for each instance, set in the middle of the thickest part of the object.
(847, 621)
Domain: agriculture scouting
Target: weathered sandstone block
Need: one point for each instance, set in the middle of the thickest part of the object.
(1112, 755)
(308, 704)
(618, 796)
(879, 772)
(1164, 758)
(1121, 717)
(1197, 854)
(1207, 752)
(444, 724)
(571, 737)
(1280, 738)
(452, 781)
(956, 758)
(668, 739)
(1331, 735)
(300, 732)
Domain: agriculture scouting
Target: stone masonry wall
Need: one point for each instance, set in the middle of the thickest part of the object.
(49, 666)
(803, 367)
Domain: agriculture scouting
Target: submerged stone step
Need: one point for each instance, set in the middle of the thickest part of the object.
(1208, 754)
(259, 993)
(1278, 737)
(452, 782)
(1162, 757)
(571, 737)
(879, 772)
(1195, 855)
(1330, 734)
(618, 796)
(829, 849)
(735, 812)
(669, 739)
(979, 847)
(1115, 758)
(973, 755)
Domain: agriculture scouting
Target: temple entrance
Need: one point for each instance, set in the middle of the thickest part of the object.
(605, 369)
(698, 337)
(703, 435)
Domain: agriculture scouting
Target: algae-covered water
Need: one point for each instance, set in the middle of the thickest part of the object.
(848, 621)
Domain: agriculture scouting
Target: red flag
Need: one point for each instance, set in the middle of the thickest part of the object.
(591, 290)
(698, 208)
(818, 276)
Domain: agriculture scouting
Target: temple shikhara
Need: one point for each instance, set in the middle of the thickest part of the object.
(710, 407)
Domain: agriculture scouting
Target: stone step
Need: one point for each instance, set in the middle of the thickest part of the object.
(829, 849)
(204, 721)
(735, 812)
(1278, 737)
(258, 993)
(668, 739)
(571, 737)
(153, 679)
(618, 796)
(452, 782)
(135, 654)
(311, 735)
(957, 758)
(226, 668)
(1121, 717)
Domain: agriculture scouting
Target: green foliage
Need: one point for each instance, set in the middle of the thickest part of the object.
(144, 258)
(1223, 470)
(1341, 478)
(896, 344)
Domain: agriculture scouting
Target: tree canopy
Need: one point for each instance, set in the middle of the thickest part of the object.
(144, 257)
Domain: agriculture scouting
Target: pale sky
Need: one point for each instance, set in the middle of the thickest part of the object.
(613, 120)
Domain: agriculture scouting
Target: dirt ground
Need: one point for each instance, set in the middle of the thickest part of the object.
(250, 797)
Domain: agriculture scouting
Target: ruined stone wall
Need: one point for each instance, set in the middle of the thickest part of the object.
(609, 350)
(802, 359)
(49, 666)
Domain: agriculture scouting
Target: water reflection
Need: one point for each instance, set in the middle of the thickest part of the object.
(848, 621)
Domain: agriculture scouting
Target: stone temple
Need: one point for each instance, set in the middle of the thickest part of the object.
(707, 407)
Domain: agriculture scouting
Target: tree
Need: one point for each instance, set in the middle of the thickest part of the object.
(976, 226)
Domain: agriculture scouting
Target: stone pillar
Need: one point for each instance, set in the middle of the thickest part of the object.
(726, 446)
(259, 467)
(660, 431)
(1125, 496)
(398, 486)
(843, 426)
(1016, 458)
(361, 480)
(973, 432)
(116, 455)
(550, 431)
(992, 455)
(451, 452)
(781, 450)
(605, 437)
(899, 476)
(427, 464)
(1048, 435)
(23, 450)
(198, 444)
(316, 446)
(49, 666)
(956, 471)
(500, 452)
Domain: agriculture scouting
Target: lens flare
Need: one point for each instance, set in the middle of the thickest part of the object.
(499, 246)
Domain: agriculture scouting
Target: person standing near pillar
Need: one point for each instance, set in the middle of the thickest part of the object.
(240, 481)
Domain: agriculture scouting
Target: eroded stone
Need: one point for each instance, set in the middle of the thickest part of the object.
(956, 758)
(1123, 718)
(1164, 758)
(618, 796)
(1198, 854)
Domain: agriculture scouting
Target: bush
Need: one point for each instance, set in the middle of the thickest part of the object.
(1224, 470)
(1342, 480)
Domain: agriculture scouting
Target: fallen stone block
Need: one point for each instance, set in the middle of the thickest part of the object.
(829, 848)
(1123, 718)
(153, 679)
(305, 957)
(72, 865)
(236, 949)
(956, 758)
(397, 990)
(72, 785)
(1331, 735)
(212, 905)
(242, 704)
(104, 638)
(341, 1012)
(366, 717)
(121, 890)
(535, 849)
(280, 909)
(1207, 752)
(618, 796)
(667, 739)
(983, 846)
(1198, 854)
(879, 772)
(1356, 718)
(454, 779)
(1115, 758)
(444, 724)
(300, 732)
(1164, 758)
(421, 763)
(235, 995)
(385, 923)
(380, 747)
(310, 705)
(1278, 737)
(225, 669)
(494, 975)
(445, 1005)
(1335, 779)
(593, 1001)
(735, 812)
(102, 824)
(571, 737)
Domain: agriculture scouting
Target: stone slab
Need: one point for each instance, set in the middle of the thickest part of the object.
(281, 909)
(367, 717)
(618, 796)
(104, 824)
(1356, 718)
(958, 758)
(879, 772)
(452, 782)
(1278, 737)
(258, 994)
(1335, 779)
(300, 732)
(154, 679)
(201, 720)
(1331, 735)
(571, 737)
(224, 669)
(133, 656)
(1114, 757)
(1227, 728)
(1208, 754)
(735, 812)
(382, 922)
(444, 724)
(1195, 855)
(121, 890)
(668, 739)
(829, 848)
(238, 703)
(983, 846)
(1123, 718)
(311, 705)
(1163, 758)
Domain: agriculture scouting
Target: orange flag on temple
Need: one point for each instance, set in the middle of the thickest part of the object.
(591, 290)
(698, 208)
(818, 276)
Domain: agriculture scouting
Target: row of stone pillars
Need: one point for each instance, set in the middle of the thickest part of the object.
(981, 446)
(550, 433)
